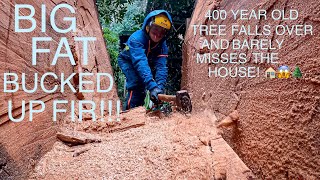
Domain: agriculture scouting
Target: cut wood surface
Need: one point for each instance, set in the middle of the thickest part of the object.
(26, 141)
(277, 117)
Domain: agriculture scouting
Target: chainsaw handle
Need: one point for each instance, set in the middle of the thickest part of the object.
(166, 98)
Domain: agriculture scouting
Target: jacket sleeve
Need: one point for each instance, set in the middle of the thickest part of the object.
(161, 67)
(140, 63)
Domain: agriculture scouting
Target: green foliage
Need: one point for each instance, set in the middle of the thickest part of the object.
(132, 18)
(112, 10)
(112, 41)
(116, 16)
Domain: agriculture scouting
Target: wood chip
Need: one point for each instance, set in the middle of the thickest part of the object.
(73, 138)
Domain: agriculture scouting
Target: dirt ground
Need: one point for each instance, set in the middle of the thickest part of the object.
(168, 148)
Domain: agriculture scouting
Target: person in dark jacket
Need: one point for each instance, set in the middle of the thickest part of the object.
(144, 59)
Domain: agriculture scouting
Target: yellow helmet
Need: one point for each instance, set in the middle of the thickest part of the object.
(163, 21)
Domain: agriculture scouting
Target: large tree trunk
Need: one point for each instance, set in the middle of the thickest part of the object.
(22, 144)
(279, 118)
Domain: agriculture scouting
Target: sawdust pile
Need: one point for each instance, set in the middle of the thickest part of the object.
(175, 147)
(161, 149)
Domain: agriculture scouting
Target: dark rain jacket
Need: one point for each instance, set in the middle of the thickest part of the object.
(144, 66)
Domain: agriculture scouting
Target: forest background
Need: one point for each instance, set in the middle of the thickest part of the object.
(120, 18)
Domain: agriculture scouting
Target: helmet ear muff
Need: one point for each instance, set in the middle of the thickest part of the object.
(150, 24)
(148, 29)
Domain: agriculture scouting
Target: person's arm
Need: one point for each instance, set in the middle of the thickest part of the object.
(161, 67)
(140, 63)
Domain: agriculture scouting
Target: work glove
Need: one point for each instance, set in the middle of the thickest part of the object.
(154, 95)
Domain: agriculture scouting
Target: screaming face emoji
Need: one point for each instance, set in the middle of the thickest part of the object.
(283, 72)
